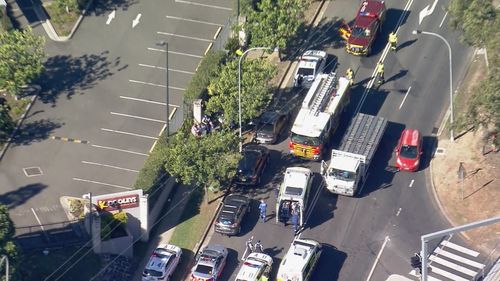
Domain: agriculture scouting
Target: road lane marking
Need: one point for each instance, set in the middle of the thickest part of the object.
(38, 220)
(136, 20)
(109, 166)
(137, 117)
(196, 21)
(163, 68)
(103, 183)
(426, 12)
(399, 212)
(127, 133)
(407, 92)
(411, 183)
(176, 53)
(203, 5)
(442, 252)
(378, 257)
(451, 265)
(120, 150)
(442, 21)
(148, 101)
(111, 16)
(460, 248)
(184, 36)
(156, 85)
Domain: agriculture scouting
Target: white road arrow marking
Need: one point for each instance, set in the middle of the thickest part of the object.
(136, 20)
(426, 11)
(111, 16)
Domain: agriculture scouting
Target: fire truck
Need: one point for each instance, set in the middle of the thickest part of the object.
(368, 23)
(319, 116)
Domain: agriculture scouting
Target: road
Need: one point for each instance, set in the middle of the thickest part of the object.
(105, 87)
(397, 207)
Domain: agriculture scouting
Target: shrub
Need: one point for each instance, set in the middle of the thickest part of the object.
(5, 23)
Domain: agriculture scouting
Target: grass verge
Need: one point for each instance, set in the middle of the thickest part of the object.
(61, 21)
(37, 266)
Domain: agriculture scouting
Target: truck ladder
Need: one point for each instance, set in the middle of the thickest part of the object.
(326, 86)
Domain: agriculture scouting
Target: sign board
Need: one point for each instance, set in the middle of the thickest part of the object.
(118, 203)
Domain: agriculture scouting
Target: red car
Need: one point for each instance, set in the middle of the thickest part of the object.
(409, 150)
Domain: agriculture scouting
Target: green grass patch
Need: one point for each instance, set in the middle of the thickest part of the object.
(61, 21)
(37, 266)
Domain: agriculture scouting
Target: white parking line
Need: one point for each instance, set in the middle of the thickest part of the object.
(109, 166)
(148, 101)
(127, 133)
(172, 113)
(442, 21)
(103, 183)
(156, 85)
(196, 21)
(121, 150)
(176, 53)
(407, 92)
(163, 68)
(184, 36)
(38, 220)
(203, 5)
(137, 117)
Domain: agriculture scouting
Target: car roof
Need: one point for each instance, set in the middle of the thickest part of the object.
(236, 200)
(363, 21)
(371, 7)
(160, 257)
(269, 117)
(254, 147)
(410, 137)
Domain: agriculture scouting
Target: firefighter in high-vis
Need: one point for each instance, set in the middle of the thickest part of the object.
(350, 75)
(345, 31)
(380, 73)
(393, 40)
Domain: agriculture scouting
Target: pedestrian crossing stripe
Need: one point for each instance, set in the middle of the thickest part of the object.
(451, 265)
(460, 248)
(429, 278)
(444, 253)
(447, 274)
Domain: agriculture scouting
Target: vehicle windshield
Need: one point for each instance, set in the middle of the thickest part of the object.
(305, 71)
(163, 253)
(247, 164)
(305, 140)
(360, 32)
(265, 127)
(204, 269)
(342, 175)
(296, 191)
(151, 272)
(408, 151)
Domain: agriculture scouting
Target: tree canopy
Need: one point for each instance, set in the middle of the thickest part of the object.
(273, 22)
(21, 59)
(475, 19)
(255, 89)
(208, 161)
(7, 245)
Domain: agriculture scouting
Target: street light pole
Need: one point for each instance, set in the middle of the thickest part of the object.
(239, 88)
(6, 258)
(452, 137)
(167, 98)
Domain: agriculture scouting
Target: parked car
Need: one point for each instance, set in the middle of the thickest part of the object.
(269, 127)
(256, 266)
(409, 150)
(251, 166)
(233, 210)
(162, 263)
(209, 263)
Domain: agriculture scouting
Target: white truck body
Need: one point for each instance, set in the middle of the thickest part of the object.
(348, 167)
(294, 190)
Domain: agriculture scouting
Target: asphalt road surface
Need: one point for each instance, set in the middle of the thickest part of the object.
(107, 88)
(394, 207)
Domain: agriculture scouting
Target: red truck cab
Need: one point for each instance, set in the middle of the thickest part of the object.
(366, 26)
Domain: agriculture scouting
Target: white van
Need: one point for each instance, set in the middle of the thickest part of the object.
(256, 266)
(300, 260)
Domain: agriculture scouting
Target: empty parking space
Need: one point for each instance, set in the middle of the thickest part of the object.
(157, 76)
(195, 30)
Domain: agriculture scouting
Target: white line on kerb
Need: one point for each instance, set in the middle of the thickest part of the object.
(407, 92)
(442, 21)
(184, 36)
(163, 68)
(121, 150)
(196, 21)
(103, 183)
(378, 257)
(148, 101)
(176, 53)
(156, 85)
(38, 220)
(127, 133)
(137, 117)
(203, 5)
(109, 166)
(411, 183)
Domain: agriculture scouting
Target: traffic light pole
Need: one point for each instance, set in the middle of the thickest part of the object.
(428, 237)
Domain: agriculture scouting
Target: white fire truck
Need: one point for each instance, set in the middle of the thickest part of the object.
(319, 116)
(348, 168)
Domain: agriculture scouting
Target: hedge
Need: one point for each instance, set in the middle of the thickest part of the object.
(5, 23)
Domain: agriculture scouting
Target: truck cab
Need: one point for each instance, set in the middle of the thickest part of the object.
(367, 25)
(294, 194)
(344, 172)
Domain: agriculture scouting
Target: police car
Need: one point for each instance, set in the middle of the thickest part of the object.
(209, 263)
(311, 63)
(256, 267)
(300, 260)
(162, 263)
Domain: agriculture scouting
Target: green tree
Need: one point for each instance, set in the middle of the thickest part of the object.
(21, 59)
(6, 123)
(68, 5)
(274, 22)
(255, 89)
(484, 108)
(207, 162)
(8, 246)
(475, 18)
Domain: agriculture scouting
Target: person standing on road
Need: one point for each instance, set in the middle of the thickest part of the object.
(380, 73)
(263, 208)
(393, 40)
(350, 75)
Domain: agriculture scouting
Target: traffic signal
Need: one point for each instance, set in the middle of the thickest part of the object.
(416, 262)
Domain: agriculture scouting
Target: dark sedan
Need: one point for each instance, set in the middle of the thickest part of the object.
(233, 210)
(270, 126)
(251, 166)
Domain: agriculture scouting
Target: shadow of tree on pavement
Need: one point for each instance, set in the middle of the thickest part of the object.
(21, 195)
(34, 131)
